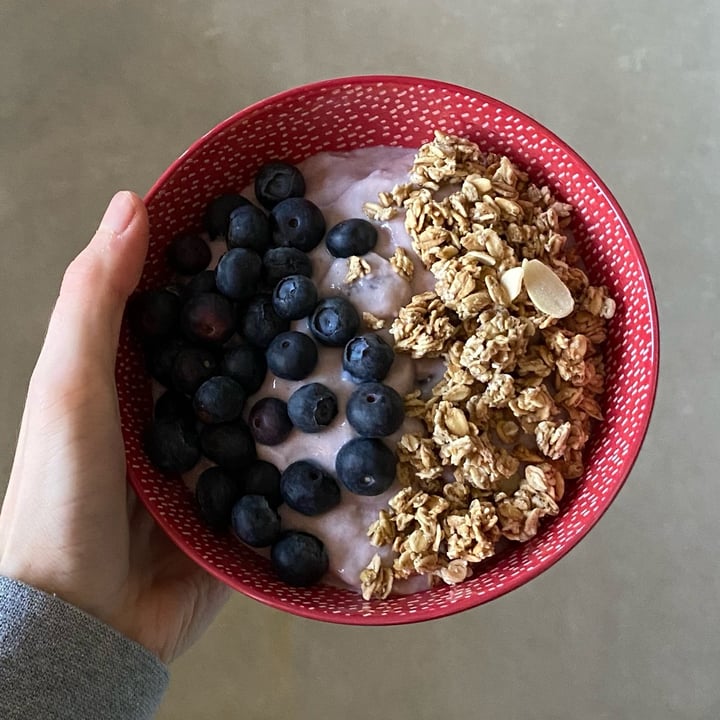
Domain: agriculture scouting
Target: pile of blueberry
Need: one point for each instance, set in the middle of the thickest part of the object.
(212, 338)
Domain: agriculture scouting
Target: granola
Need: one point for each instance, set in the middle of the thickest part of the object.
(372, 321)
(402, 264)
(357, 268)
(376, 581)
(520, 328)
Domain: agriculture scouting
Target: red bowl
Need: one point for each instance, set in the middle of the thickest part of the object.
(347, 113)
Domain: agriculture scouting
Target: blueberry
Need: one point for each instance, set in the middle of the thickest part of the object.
(280, 262)
(260, 323)
(334, 321)
(312, 408)
(299, 559)
(160, 356)
(297, 223)
(366, 466)
(292, 355)
(368, 357)
(203, 282)
(172, 445)
(307, 488)
(172, 405)
(375, 410)
(276, 181)
(249, 228)
(176, 289)
(188, 254)
(246, 365)
(269, 421)
(295, 297)
(217, 214)
(351, 237)
(208, 317)
(219, 399)
(154, 313)
(230, 445)
(237, 273)
(255, 522)
(216, 493)
(263, 478)
(192, 367)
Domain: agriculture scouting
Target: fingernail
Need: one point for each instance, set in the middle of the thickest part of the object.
(119, 213)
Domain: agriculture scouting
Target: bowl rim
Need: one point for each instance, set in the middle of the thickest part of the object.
(551, 558)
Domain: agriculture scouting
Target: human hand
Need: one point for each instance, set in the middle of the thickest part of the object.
(70, 525)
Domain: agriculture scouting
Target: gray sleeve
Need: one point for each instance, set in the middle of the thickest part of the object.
(58, 662)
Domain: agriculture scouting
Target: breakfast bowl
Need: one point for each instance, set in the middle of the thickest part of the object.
(346, 114)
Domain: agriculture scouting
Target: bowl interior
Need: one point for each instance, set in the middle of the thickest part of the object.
(350, 113)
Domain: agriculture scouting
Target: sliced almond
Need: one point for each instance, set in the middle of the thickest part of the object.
(546, 290)
(512, 280)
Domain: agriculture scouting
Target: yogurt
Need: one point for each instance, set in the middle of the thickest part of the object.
(339, 184)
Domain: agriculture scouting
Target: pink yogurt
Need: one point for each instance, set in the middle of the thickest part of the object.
(339, 183)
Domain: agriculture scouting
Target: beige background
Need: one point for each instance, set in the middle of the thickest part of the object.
(100, 95)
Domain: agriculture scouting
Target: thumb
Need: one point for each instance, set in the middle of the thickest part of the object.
(71, 402)
(85, 324)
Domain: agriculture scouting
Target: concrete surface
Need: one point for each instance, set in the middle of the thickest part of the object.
(102, 95)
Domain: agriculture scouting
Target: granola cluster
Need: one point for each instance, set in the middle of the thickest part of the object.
(357, 268)
(520, 328)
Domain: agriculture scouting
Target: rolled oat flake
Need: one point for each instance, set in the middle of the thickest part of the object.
(546, 290)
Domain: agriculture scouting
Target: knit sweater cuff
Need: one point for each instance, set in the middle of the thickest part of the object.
(58, 662)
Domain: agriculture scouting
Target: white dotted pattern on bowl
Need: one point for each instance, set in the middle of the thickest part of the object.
(396, 111)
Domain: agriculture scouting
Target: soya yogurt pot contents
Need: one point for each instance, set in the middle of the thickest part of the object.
(339, 184)
(377, 403)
